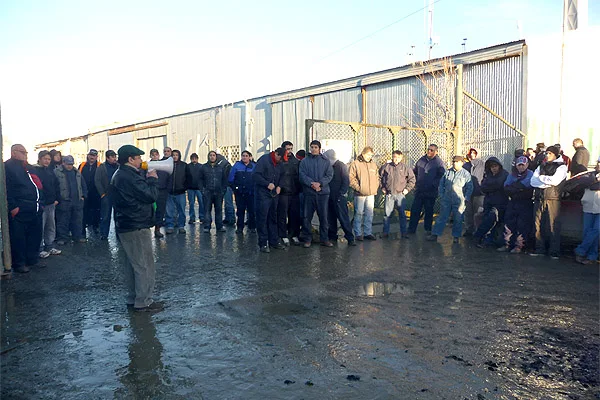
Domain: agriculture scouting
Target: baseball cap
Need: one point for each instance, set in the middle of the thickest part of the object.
(129, 151)
(69, 160)
(93, 152)
(457, 158)
(522, 160)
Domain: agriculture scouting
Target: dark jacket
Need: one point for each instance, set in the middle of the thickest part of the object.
(214, 177)
(104, 174)
(340, 183)
(240, 177)
(396, 177)
(64, 188)
(88, 172)
(21, 191)
(266, 172)
(176, 184)
(518, 186)
(193, 176)
(477, 168)
(50, 184)
(315, 169)
(133, 199)
(492, 186)
(428, 173)
(580, 161)
(290, 176)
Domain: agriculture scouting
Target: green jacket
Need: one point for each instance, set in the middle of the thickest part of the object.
(64, 185)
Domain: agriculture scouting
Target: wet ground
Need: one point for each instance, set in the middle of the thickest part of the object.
(388, 319)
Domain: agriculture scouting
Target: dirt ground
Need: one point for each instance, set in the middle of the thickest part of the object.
(390, 319)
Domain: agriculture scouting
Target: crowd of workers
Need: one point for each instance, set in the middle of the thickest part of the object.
(514, 207)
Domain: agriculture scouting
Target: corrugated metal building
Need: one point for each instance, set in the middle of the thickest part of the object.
(410, 96)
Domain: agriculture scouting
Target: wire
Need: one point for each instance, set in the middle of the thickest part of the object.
(377, 31)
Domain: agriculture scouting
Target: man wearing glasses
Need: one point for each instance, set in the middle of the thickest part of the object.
(428, 172)
(24, 211)
(134, 213)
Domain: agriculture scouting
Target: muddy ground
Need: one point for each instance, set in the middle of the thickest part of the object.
(391, 319)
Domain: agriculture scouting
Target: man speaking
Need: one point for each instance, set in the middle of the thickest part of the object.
(134, 215)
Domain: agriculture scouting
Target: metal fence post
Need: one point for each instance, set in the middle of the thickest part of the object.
(458, 116)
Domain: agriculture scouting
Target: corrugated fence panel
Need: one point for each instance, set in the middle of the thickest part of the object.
(391, 103)
(344, 105)
(258, 127)
(99, 141)
(231, 124)
(498, 84)
(183, 134)
(116, 141)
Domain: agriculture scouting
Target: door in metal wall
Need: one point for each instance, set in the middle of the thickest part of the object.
(147, 144)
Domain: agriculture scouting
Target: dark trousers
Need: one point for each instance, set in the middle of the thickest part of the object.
(338, 211)
(320, 204)
(518, 223)
(418, 204)
(161, 207)
(547, 225)
(69, 218)
(245, 204)
(266, 219)
(288, 216)
(491, 222)
(25, 232)
(106, 210)
(91, 211)
(213, 199)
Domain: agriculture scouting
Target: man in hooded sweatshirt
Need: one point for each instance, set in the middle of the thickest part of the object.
(547, 181)
(494, 202)
(177, 186)
(518, 219)
(213, 176)
(338, 203)
(476, 167)
(266, 176)
(315, 175)
(365, 182)
(397, 180)
(456, 187)
(428, 170)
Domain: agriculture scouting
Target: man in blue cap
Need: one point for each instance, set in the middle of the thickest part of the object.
(134, 214)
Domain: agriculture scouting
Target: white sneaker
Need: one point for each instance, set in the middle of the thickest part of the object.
(296, 241)
(44, 254)
(54, 252)
(286, 241)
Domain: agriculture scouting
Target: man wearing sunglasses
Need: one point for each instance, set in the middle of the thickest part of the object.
(429, 169)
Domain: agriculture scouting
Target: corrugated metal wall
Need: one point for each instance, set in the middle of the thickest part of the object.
(498, 84)
(289, 121)
(344, 105)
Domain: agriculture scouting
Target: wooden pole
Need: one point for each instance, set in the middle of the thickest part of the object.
(458, 116)
(7, 259)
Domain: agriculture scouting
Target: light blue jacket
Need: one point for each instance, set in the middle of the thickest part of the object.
(456, 187)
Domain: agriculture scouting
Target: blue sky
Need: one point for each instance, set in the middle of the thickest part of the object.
(70, 66)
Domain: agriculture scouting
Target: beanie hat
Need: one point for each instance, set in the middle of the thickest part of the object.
(554, 150)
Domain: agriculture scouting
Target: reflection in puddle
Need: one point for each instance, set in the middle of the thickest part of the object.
(376, 289)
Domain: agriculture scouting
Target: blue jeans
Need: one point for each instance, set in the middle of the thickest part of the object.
(363, 206)
(338, 210)
(394, 202)
(193, 195)
(106, 210)
(440, 223)
(320, 204)
(591, 234)
(229, 209)
(175, 206)
(419, 203)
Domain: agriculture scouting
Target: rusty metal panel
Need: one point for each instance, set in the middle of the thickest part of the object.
(343, 105)
(498, 84)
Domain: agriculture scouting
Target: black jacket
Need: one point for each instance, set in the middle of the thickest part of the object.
(265, 173)
(193, 176)
(50, 184)
(20, 190)
(492, 186)
(341, 181)
(176, 184)
(88, 172)
(477, 169)
(290, 177)
(133, 199)
(213, 177)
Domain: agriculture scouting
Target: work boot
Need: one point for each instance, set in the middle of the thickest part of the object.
(157, 233)
(370, 237)
(327, 244)
(278, 246)
(22, 269)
